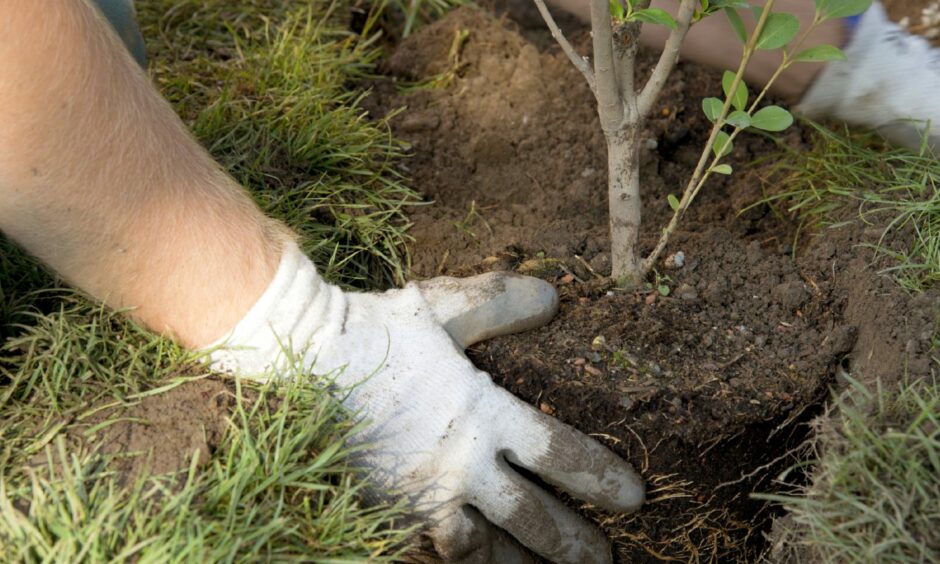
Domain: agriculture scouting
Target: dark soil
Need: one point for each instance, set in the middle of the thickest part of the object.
(707, 389)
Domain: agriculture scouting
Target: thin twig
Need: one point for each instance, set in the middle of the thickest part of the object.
(698, 177)
(667, 60)
(577, 60)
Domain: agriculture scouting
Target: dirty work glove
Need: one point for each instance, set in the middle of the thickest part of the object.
(890, 82)
(444, 435)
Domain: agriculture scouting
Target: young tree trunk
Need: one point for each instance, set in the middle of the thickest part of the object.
(623, 191)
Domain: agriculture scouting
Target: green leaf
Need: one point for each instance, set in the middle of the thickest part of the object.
(842, 8)
(663, 290)
(712, 108)
(739, 100)
(708, 8)
(820, 54)
(722, 169)
(779, 30)
(673, 202)
(771, 118)
(722, 144)
(616, 9)
(737, 24)
(654, 16)
(739, 119)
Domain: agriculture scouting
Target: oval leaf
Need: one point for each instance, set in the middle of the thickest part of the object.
(722, 169)
(739, 100)
(712, 108)
(738, 119)
(842, 8)
(779, 30)
(737, 24)
(722, 144)
(820, 54)
(654, 16)
(771, 118)
(673, 202)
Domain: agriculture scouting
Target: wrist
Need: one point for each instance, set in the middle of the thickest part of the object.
(297, 312)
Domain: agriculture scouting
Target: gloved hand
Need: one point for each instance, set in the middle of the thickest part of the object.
(443, 434)
(890, 82)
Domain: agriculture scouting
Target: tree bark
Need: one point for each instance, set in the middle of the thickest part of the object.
(623, 192)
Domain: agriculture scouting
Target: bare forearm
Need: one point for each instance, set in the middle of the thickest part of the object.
(101, 180)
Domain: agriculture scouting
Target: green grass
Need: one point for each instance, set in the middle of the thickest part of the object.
(270, 88)
(265, 85)
(875, 490)
(846, 177)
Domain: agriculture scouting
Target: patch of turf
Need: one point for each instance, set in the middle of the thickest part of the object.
(269, 88)
(875, 491)
(845, 176)
(279, 486)
(875, 461)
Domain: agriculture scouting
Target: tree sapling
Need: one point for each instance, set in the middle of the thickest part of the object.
(623, 109)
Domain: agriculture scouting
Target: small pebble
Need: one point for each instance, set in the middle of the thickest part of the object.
(546, 409)
(675, 260)
(687, 292)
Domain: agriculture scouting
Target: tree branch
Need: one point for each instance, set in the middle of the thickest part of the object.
(577, 60)
(609, 107)
(667, 60)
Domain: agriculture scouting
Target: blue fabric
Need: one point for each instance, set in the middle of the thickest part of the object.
(851, 22)
(121, 15)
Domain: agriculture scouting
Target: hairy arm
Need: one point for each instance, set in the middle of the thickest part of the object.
(101, 180)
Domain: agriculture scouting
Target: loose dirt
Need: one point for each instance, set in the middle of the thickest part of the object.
(707, 390)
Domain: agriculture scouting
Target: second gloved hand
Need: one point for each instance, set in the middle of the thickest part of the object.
(441, 433)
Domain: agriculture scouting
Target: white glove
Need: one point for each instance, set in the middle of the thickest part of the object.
(444, 435)
(890, 82)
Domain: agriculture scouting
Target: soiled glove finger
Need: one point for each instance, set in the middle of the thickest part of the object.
(535, 518)
(463, 535)
(570, 460)
(492, 304)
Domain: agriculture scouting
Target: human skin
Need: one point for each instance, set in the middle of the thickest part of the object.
(102, 181)
(712, 42)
